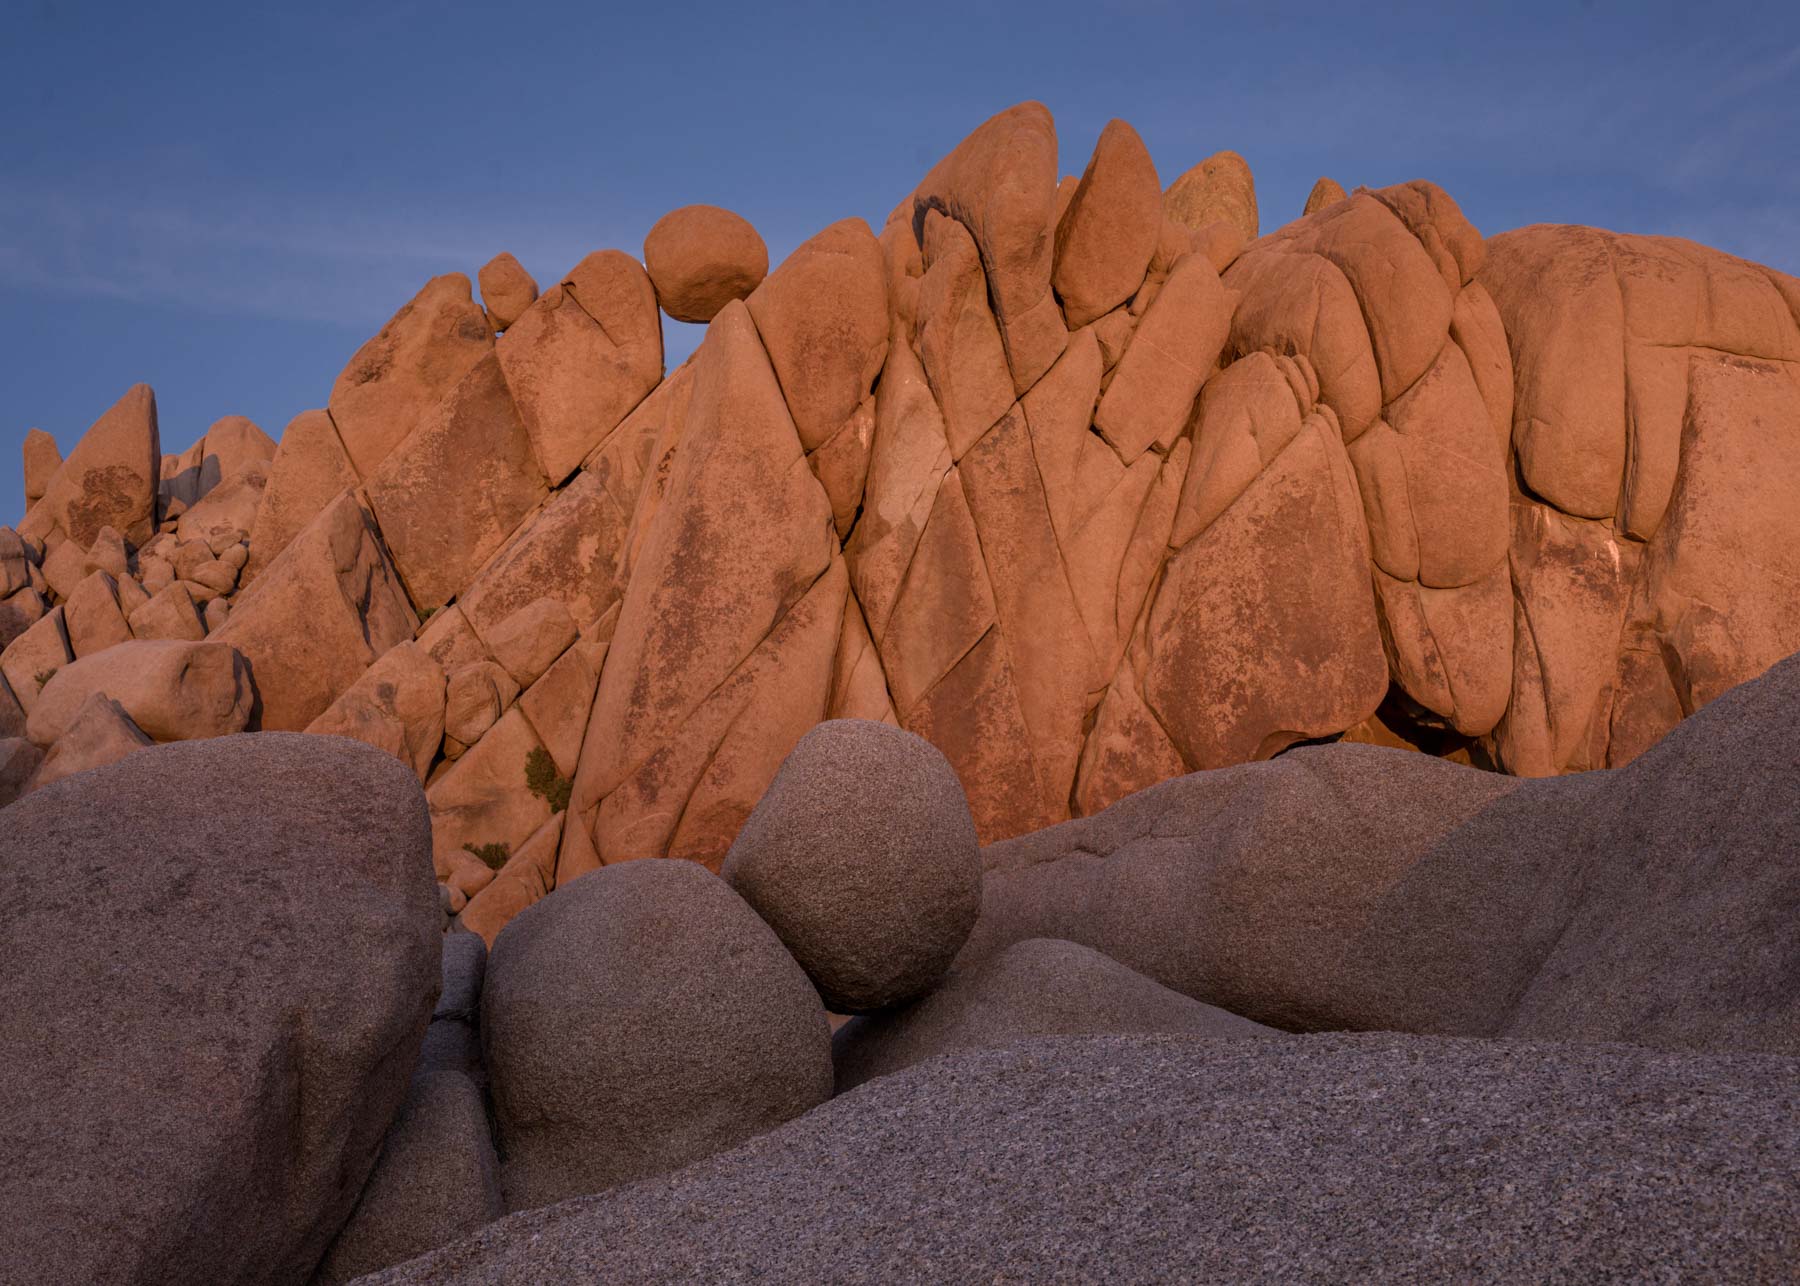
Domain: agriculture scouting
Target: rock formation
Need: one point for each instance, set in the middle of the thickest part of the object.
(1080, 480)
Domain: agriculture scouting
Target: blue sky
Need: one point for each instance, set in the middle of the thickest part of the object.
(224, 200)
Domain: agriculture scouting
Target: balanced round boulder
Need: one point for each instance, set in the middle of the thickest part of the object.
(507, 290)
(639, 1019)
(1038, 987)
(862, 856)
(700, 258)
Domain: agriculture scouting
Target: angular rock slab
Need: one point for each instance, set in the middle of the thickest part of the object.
(222, 1011)
(110, 478)
(334, 588)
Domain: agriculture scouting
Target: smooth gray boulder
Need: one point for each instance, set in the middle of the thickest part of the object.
(640, 1018)
(221, 958)
(862, 857)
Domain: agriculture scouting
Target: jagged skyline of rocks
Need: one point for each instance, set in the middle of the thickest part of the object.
(373, 197)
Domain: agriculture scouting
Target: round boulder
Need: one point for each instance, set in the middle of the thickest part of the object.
(641, 1018)
(862, 856)
(700, 258)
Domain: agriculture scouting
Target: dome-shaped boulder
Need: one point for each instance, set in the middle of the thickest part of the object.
(862, 856)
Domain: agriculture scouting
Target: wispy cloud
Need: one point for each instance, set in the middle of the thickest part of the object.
(288, 262)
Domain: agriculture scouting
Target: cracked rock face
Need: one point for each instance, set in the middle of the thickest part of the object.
(1082, 482)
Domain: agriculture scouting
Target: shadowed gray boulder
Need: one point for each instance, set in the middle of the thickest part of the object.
(1363, 888)
(1038, 987)
(437, 1180)
(638, 1019)
(1155, 1159)
(221, 957)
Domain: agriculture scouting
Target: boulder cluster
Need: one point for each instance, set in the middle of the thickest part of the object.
(1121, 1040)
(1084, 481)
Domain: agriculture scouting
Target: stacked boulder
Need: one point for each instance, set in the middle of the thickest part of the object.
(1077, 478)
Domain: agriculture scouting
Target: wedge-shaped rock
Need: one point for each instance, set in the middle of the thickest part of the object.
(1219, 189)
(822, 317)
(65, 566)
(333, 588)
(959, 342)
(529, 641)
(1710, 610)
(98, 733)
(558, 703)
(228, 1146)
(15, 566)
(418, 358)
(229, 447)
(1000, 184)
(582, 357)
(529, 875)
(110, 478)
(310, 470)
(1327, 191)
(842, 465)
(483, 800)
(92, 616)
(31, 659)
(168, 614)
(1048, 647)
(1571, 582)
(18, 613)
(1109, 230)
(907, 461)
(743, 535)
(397, 706)
(1175, 348)
(449, 496)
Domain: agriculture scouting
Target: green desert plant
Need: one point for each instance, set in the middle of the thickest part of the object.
(495, 855)
(43, 677)
(545, 782)
(425, 614)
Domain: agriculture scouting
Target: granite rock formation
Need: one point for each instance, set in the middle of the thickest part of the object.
(1078, 478)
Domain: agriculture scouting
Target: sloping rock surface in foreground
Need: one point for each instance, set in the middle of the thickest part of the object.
(220, 959)
(1342, 1158)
